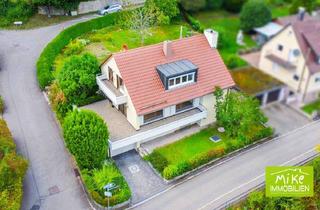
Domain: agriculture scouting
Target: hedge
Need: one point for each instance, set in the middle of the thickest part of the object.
(51, 51)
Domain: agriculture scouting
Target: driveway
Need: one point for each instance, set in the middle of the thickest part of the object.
(50, 182)
(221, 183)
(142, 180)
(284, 118)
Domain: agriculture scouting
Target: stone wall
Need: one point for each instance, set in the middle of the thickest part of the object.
(89, 6)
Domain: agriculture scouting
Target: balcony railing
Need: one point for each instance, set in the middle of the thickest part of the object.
(110, 91)
(281, 62)
(131, 142)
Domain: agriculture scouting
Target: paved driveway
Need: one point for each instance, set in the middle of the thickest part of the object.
(50, 181)
(284, 118)
(140, 177)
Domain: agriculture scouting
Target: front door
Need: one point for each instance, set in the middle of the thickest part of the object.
(110, 75)
(122, 109)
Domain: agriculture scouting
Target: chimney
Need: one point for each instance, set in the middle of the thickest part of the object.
(167, 48)
(212, 37)
(301, 13)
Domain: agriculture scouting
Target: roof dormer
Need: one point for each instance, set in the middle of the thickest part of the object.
(177, 74)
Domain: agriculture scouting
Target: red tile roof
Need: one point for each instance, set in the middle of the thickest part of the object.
(138, 70)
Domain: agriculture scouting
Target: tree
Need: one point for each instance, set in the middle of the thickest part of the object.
(194, 5)
(257, 9)
(309, 5)
(168, 9)
(4, 5)
(233, 5)
(77, 78)
(237, 113)
(86, 136)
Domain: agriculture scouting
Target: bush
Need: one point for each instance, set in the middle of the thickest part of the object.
(234, 61)
(96, 179)
(170, 172)
(12, 170)
(1, 105)
(214, 4)
(86, 136)
(52, 50)
(194, 5)
(20, 10)
(195, 24)
(158, 161)
(257, 9)
(77, 78)
(74, 48)
(233, 5)
(310, 5)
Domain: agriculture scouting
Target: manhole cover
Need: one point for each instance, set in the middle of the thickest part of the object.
(35, 207)
(54, 190)
(134, 169)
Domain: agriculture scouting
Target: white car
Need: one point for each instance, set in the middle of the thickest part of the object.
(110, 9)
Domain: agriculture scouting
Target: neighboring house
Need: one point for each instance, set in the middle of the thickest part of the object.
(266, 32)
(164, 87)
(293, 57)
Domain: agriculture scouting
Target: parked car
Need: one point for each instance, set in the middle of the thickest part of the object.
(110, 9)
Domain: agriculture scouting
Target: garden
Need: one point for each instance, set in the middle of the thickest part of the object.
(312, 107)
(13, 168)
(242, 121)
(258, 200)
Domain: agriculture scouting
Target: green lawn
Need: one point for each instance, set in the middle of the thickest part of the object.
(280, 11)
(309, 108)
(111, 39)
(230, 23)
(191, 146)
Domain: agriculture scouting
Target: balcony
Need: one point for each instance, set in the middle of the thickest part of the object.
(110, 91)
(281, 62)
(156, 129)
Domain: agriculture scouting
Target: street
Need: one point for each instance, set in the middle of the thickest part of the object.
(50, 182)
(219, 184)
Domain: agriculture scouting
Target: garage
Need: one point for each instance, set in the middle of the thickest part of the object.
(273, 96)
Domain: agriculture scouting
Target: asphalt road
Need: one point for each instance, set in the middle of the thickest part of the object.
(50, 181)
(223, 182)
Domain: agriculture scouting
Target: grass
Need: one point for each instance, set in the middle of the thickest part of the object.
(280, 11)
(190, 146)
(37, 21)
(111, 39)
(310, 108)
(231, 25)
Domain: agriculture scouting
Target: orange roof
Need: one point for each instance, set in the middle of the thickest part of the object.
(138, 70)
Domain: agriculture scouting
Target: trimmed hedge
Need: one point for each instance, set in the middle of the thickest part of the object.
(158, 161)
(51, 51)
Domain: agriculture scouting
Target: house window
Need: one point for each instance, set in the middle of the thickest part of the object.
(317, 79)
(280, 47)
(296, 77)
(181, 80)
(184, 105)
(153, 116)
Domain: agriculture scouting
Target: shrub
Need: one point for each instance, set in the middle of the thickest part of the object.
(256, 200)
(168, 8)
(95, 181)
(214, 4)
(77, 78)
(74, 48)
(52, 50)
(170, 172)
(194, 5)
(233, 5)
(20, 10)
(12, 171)
(1, 105)
(86, 136)
(158, 161)
(310, 5)
(234, 61)
(4, 5)
(195, 24)
(257, 9)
